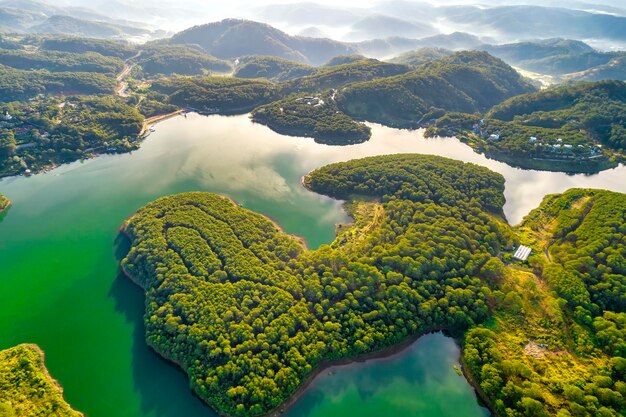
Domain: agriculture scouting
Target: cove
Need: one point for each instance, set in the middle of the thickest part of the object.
(59, 254)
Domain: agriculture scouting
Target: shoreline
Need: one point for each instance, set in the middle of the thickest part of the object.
(142, 135)
(42, 367)
(324, 365)
(151, 121)
(5, 208)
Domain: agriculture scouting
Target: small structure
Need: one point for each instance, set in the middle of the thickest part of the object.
(532, 139)
(522, 253)
(494, 137)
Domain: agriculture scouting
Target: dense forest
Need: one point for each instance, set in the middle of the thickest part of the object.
(249, 313)
(579, 125)
(40, 134)
(312, 116)
(179, 59)
(26, 389)
(56, 61)
(217, 94)
(464, 82)
(22, 85)
(118, 49)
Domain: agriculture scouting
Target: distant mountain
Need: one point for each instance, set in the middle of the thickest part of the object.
(551, 56)
(421, 56)
(380, 26)
(464, 82)
(615, 69)
(385, 48)
(530, 21)
(344, 59)
(231, 38)
(67, 25)
(313, 32)
(15, 20)
(31, 16)
(299, 14)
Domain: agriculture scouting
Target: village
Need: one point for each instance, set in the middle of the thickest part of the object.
(541, 148)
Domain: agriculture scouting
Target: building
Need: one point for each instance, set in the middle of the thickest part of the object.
(522, 253)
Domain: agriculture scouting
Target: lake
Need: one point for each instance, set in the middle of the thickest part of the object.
(59, 252)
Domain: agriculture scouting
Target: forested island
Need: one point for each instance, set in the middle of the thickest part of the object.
(312, 116)
(250, 314)
(26, 388)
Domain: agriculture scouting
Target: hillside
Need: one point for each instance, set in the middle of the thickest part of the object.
(574, 128)
(56, 61)
(68, 25)
(26, 388)
(179, 59)
(344, 59)
(222, 95)
(272, 68)
(421, 56)
(463, 82)
(615, 69)
(118, 49)
(337, 76)
(232, 38)
(21, 85)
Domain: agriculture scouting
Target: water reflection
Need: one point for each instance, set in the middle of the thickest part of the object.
(419, 381)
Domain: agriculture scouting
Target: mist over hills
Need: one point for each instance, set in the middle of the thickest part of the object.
(545, 38)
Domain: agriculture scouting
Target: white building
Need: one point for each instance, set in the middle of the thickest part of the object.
(522, 253)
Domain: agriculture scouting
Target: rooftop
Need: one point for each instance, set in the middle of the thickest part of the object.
(522, 253)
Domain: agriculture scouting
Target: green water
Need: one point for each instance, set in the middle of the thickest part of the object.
(418, 382)
(59, 253)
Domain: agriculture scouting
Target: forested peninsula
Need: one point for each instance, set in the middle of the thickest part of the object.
(26, 388)
(250, 314)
